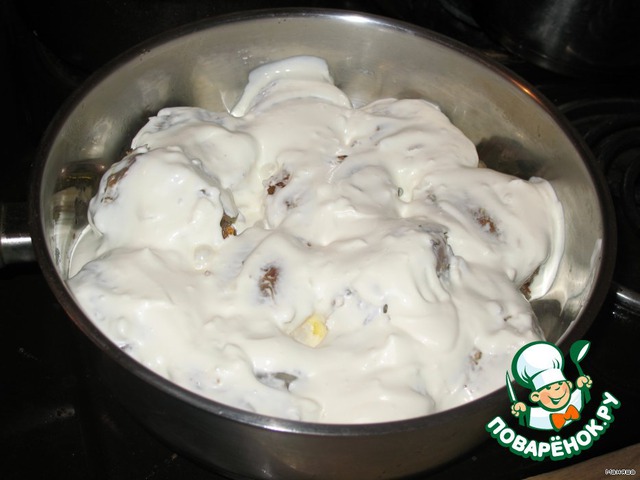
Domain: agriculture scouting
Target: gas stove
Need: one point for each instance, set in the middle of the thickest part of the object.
(57, 418)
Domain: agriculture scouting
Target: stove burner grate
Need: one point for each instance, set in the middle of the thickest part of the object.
(611, 129)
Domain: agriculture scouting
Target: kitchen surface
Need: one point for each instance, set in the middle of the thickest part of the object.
(58, 419)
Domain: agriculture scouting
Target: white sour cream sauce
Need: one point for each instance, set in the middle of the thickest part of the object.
(374, 273)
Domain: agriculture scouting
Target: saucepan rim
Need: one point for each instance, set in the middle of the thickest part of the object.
(603, 272)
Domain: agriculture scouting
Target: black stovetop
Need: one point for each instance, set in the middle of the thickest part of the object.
(56, 418)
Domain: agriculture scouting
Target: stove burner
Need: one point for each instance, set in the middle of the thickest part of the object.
(611, 128)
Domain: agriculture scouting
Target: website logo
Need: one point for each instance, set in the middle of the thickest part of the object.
(553, 403)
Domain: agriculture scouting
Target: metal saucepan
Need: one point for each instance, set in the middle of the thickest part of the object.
(580, 38)
(206, 64)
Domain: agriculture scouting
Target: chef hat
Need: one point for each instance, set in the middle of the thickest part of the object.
(537, 365)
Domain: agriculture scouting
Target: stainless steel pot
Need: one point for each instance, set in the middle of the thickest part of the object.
(206, 64)
(580, 38)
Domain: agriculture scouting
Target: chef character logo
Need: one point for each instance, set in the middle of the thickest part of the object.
(555, 401)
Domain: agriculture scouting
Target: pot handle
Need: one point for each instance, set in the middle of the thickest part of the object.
(627, 297)
(15, 238)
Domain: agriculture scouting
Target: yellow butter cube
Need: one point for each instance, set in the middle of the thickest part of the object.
(312, 331)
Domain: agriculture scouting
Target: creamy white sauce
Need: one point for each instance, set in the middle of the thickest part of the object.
(374, 273)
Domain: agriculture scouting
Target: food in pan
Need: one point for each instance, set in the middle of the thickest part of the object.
(306, 258)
